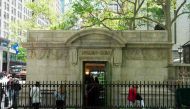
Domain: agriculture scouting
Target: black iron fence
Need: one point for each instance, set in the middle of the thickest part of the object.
(109, 95)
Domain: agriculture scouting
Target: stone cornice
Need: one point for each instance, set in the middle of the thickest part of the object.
(32, 45)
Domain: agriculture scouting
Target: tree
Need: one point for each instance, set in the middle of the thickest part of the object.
(188, 8)
(68, 21)
(128, 14)
(40, 9)
(22, 55)
(100, 13)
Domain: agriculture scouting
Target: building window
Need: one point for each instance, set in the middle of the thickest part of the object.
(12, 10)
(20, 7)
(5, 6)
(19, 15)
(14, 2)
(7, 15)
(12, 18)
(6, 26)
(4, 15)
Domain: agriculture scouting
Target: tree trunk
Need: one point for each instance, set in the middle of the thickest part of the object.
(168, 21)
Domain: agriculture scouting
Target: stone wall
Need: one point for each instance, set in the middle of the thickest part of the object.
(130, 55)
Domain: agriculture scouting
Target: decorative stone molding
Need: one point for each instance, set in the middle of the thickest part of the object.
(31, 53)
(96, 32)
(42, 53)
(47, 53)
(73, 56)
(56, 54)
(117, 56)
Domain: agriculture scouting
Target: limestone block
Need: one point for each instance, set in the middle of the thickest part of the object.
(153, 36)
(32, 37)
(45, 36)
(62, 36)
(131, 36)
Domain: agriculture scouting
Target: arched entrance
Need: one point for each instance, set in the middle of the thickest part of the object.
(94, 76)
(95, 51)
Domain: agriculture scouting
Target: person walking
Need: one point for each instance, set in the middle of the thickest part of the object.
(132, 95)
(2, 92)
(140, 100)
(35, 95)
(10, 89)
(96, 92)
(90, 92)
(16, 87)
(60, 97)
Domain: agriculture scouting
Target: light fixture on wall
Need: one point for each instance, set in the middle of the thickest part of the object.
(180, 50)
(87, 71)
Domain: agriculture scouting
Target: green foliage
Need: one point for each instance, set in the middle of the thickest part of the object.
(41, 8)
(188, 8)
(96, 13)
(22, 55)
(156, 12)
(117, 14)
(69, 19)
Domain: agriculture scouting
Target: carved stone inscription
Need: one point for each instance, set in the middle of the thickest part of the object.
(95, 52)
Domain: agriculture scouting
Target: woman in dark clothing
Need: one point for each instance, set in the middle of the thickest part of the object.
(2, 91)
(90, 91)
(96, 92)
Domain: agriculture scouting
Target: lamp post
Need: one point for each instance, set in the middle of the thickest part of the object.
(180, 50)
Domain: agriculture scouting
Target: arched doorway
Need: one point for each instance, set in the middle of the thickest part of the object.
(94, 76)
(95, 51)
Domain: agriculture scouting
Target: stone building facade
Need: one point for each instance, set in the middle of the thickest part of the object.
(122, 55)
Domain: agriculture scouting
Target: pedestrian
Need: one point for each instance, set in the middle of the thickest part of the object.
(90, 91)
(16, 87)
(132, 95)
(60, 95)
(9, 88)
(35, 95)
(2, 92)
(140, 100)
(96, 92)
